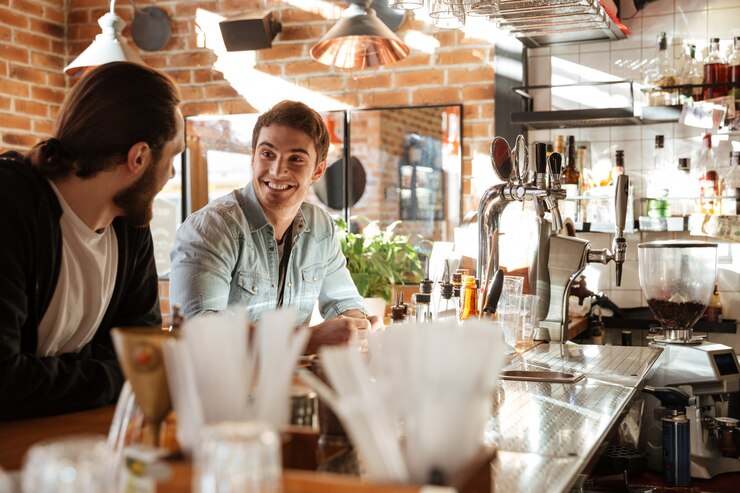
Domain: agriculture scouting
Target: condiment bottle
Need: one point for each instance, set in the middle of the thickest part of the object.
(469, 310)
(422, 307)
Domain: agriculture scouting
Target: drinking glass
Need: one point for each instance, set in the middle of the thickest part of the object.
(74, 464)
(527, 319)
(238, 457)
(508, 308)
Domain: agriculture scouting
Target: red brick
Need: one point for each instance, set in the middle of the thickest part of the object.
(46, 27)
(329, 83)
(47, 61)
(390, 98)
(4, 104)
(13, 19)
(191, 93)
(31, 40)
(447, 38)
(221, 92)
(183, 9)
(240, 5)
(194, 59)
(56, 79)
(269, 68)
(13, 88)
(31, 108)
(20, 141)
(295, 14)
(54, 13)
(304, 67)
(281, 51)
(16, 122)
(466, 75)
(413, 60)
(233, 107)
(380, 81)
(190, 109)
(43, 127)
(300, 33)
(478, 92)
(85, 33)
(48, 95)
(436, 95)
(15, 54)
(5, 34)
(78, 17)
(181, 76)
(158, 61)
(351, 99)
(420, 77)
(27, 74)
(457, 57)
(3, 69)
(29, 8)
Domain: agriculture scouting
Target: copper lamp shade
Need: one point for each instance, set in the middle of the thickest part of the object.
(359, 40)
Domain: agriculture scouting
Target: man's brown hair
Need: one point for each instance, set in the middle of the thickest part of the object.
(109, 110)
(297, 116)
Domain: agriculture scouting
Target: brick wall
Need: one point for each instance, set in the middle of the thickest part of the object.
(32, 85)
(458, 70)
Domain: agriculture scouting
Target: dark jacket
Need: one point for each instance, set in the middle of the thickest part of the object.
(30, 256)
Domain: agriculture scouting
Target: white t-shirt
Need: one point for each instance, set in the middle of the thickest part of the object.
(87, 277)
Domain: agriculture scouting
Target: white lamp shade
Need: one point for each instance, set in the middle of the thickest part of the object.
(108, 46)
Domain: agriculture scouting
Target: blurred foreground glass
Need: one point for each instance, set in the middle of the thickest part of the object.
(75, 464)
(508, 308)
(238, 457)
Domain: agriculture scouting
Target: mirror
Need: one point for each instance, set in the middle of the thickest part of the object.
(501, 159)
(405, 163)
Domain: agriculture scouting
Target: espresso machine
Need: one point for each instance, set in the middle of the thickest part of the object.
(677, 278)
(558, 258)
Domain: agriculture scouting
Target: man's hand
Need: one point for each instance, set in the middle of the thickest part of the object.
(341, 329)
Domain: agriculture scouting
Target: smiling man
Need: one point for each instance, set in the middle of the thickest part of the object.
(262, 246)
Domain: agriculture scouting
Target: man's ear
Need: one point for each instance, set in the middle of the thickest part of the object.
(319, 171)
(138, 157)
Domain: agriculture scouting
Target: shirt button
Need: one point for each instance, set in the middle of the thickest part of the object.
(290, 284)
(315, 278)
(273, 285)
(254, 288)
(272, 249)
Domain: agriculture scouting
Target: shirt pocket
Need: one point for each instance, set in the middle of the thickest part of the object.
(311, 280)
(254, 292)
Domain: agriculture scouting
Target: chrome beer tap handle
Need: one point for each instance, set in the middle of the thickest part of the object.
(621, 197)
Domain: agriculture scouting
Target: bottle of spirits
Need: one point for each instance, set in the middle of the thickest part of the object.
(570, 177)
(731, 186)
(584, 167)
(658, 205)
(469, 299)
(706, 168)
(559, 144)
(713, 313)
(734, 70)
(659, 74)
(715, 71)
(692, 73)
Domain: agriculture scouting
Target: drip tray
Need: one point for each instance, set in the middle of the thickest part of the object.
(541, 376)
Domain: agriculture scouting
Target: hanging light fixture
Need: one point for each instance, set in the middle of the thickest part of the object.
(359, 40)
(108, 46)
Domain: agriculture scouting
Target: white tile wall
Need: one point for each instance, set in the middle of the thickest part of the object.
(684, 21)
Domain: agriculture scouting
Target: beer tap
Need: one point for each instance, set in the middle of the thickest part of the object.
(618, 252)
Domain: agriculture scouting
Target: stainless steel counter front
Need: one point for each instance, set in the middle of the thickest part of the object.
(546, 433)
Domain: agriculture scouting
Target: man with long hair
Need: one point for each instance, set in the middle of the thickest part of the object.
(76, 258)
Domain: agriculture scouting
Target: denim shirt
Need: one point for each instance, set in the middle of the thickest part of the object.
(225, 254)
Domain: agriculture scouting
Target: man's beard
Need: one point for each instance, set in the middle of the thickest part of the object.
(136, 201)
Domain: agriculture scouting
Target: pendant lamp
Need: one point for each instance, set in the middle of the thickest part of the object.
(359, 40)
(108, 46)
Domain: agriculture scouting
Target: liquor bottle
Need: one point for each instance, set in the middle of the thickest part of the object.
(692, 73)
(584, 167)
(570, 177)
(457, 282)
(734, 71)
(713, 313)
(469, 309)
(660, 73)
(731, 186)
(708, 178)
(658, 205)
(683, 185)
(715, 71)
(559, 144)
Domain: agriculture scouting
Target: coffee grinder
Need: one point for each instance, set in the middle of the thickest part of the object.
(677, 278)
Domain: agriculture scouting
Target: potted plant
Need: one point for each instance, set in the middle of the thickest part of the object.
(377, 259)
